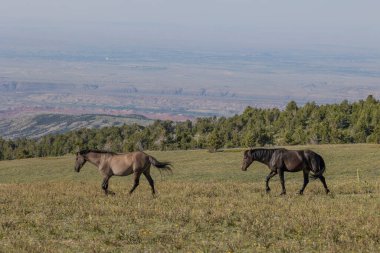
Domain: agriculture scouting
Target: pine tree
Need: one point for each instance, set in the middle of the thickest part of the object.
(214, 141)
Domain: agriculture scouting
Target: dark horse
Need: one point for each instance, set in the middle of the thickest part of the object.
(281, 160)
(113, 164)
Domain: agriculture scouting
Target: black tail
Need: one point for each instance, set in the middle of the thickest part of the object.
(160, 165)
(318, 167)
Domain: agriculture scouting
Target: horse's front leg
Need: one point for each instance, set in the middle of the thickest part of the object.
(105, 185)
(282, 179)
(270, 175)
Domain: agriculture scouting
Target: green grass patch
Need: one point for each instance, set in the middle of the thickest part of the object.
(207, 205)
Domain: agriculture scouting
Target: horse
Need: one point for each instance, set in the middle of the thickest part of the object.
(281, 160)
(121, 164)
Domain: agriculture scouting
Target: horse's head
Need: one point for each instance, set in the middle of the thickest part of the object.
(247, 160)
(79, 162)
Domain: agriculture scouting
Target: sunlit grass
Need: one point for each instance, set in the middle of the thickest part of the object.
(208, 204)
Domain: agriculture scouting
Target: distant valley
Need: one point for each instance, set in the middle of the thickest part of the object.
(39, 125)
(179, 85)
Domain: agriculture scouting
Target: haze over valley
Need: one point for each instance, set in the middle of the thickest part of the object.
(154, 58)
(179, 85)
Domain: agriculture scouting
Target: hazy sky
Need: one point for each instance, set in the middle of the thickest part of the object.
(204, 24)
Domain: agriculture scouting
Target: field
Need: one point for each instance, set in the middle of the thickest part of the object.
(207, 205)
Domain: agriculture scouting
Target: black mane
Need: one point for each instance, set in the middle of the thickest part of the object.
(262, 154)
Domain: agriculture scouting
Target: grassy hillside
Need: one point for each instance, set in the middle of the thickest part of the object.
(38, 125)
(208, 204)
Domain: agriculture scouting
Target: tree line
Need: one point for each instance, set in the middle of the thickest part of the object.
(345, 122)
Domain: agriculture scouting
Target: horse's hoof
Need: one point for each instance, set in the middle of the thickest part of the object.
(283, 193)
(267, 190)
(327, 191)
(301, 192)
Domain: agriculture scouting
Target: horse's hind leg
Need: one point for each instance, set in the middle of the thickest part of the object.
(150, 180)
(305, 181)
(323, 180)
(282, 179)
(136, 181)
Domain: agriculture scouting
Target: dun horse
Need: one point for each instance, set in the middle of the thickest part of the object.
(281, 160)
(112, 164)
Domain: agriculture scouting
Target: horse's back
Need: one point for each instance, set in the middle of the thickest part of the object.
(127, 163)
(296, 160)
(288, 154)
(310, 155)
(139, 155)
(292, 159)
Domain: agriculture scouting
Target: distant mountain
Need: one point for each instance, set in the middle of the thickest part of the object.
(38, 125)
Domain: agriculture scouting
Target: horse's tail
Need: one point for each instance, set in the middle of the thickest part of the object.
(160, 165)
(318, 167)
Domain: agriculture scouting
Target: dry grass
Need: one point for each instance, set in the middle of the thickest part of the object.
(207, 205)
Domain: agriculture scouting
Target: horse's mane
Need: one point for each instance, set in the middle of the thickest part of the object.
(86, 151)
(263, 154)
